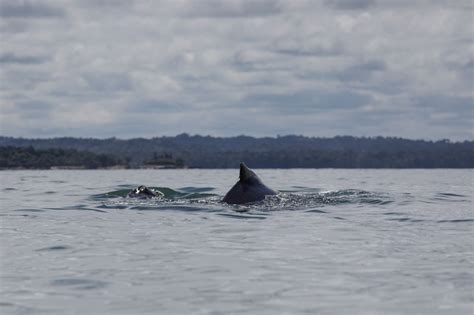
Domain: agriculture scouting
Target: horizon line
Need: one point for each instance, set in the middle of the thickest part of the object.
(185, 134)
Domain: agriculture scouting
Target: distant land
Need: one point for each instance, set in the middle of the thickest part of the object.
(31, 158)
(214, 152)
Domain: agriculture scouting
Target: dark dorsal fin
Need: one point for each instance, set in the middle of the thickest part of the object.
(245, 172)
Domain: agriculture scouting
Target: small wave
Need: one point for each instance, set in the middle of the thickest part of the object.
(20, 309)
(82, 284)
(406, 219)
(29, 210)
(191, 189)
(175, 207)
(316, 211)
(191, 205)
(111, 194)
(78, 208)
(301, 189)
(242, 216)
(456, 221)
(54, 248)
(450, 197)
(413, 220)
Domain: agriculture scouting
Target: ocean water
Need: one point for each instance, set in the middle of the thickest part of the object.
(332, 242)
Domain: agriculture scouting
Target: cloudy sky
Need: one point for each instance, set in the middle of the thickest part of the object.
(104, 68)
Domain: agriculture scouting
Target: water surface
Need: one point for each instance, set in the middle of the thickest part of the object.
(333, 241)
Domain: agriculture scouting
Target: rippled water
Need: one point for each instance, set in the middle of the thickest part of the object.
(333, 241)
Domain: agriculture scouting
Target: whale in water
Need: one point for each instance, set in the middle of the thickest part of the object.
(144, 192)
(249, 188)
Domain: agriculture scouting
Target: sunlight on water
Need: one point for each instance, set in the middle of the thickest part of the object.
(331, 241)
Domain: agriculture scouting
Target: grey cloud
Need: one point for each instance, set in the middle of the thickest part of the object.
(21, 79)
(307, 101)
(467, 71)
(465, 68)
(383, 4)
(319, 50)
(10, 58)
(456, 5)
(234, 8)
(34, 109)
(263, 64)
(13, 26)
(148, 106)
(359, 75)
(106, 3)
(470, 64)
(457, 104)
(29, 9)
(349, 4)
(108, 82)
(361, 71)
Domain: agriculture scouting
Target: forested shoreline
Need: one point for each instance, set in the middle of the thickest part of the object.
(214, 152)
(31, 158)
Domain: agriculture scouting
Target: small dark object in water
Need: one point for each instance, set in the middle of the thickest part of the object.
(144, 192)
(249, 188)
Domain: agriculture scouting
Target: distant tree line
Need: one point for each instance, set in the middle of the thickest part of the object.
(279, 152)
(31, 158)
(165, 160)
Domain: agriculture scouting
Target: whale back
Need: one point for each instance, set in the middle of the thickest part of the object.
(249, 188)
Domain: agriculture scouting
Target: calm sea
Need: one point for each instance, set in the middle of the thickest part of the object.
(332, 242)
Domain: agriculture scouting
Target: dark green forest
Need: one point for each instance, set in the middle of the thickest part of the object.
(31, 158)
(279, 152)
